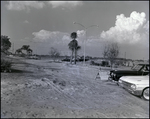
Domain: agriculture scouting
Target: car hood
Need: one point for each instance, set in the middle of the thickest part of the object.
(136, 79)
(130, 70)
(124, 72)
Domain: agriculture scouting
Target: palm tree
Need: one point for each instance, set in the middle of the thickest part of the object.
(73, 46)
(77, 48)
(26, 48)
(29, 51)
(18, 51)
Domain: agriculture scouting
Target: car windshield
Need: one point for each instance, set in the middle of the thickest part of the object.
(136, 67)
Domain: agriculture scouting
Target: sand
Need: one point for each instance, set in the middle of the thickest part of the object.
(44, 89)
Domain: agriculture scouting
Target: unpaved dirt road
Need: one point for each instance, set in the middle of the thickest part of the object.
(43, 89)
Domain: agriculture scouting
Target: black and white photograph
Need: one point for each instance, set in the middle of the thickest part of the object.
(74, 59)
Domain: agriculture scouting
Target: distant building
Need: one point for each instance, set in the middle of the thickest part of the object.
(129, 63)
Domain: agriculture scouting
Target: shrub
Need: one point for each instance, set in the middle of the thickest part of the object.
(22, 55)
(94, 63)
(105, 63)
(5, 65)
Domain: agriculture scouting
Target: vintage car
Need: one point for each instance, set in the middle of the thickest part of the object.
(137, 70)
(137, 85)
(77, 59)
(33, 57)
(66, 59)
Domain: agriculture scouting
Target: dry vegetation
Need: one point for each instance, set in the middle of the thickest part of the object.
(39, 88)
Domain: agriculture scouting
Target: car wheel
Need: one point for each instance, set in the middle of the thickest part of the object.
(145, 94)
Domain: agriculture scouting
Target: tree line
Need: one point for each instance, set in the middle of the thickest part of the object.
(111, 51)
(25, 48)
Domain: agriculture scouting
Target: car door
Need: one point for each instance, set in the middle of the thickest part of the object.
(141, 71)
(145, 70)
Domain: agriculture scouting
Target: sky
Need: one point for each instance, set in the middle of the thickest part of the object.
(46, 24)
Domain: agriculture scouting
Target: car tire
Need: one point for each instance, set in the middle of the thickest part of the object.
(145, 94)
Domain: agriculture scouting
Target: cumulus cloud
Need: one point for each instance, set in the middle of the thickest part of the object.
(66, 39)
(27, 5)
(26, 21)
(23, 5)
(90, 41)
(66, 4)
(146, 27)
(52, 37)
(60, 40)
(128, 29)
(80, 33)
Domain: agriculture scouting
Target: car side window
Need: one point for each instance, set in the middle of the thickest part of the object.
(147, 68)
(144, 68)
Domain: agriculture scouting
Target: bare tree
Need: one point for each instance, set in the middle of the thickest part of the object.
(105, 51)
(111, 51)
(54, 53)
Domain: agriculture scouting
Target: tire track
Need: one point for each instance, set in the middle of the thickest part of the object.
(66, 95)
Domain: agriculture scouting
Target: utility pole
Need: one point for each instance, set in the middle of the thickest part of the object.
(125, 58)
(85, 28)
(12, 48)
(125, 55)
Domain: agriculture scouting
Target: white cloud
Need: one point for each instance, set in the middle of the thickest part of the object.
(60, 41)
(66, 4)
(66, 39)
(146, 27)
(27, 5)
(80, 33)
(128, 29)
(52, 37)
(90, 41)
(26, 21)
(23, 5)
(42, 35)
